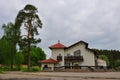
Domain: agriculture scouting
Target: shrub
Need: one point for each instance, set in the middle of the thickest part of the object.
(32, 69)
(35, 69)
(1, 70)
(117, 63)
(4, 69)
(24, 69)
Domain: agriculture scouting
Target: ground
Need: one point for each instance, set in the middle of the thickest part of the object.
(60, 76)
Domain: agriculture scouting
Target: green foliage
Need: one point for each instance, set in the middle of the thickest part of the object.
(29, 19)
(117, 63)
(6, 49)
(8, 44)
(2, 69)
(103, 57)
(24, 69)
(32, 69)
(19, 58)
(35, 69)
(36, 54)
(112, 55)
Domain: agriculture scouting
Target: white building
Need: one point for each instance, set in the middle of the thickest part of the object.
(77, 55)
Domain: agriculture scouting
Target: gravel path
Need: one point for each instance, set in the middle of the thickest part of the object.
(60, 76)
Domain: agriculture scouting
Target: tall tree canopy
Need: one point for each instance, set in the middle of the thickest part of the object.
(6, 57)
(9, 39)
(112, 56)
(28, 18)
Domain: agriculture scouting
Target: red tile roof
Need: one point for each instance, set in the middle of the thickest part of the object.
(49, 61)
(57, 46)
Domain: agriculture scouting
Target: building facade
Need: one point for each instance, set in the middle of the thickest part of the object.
(77, 55)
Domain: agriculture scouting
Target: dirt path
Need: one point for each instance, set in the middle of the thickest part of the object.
(60, 76)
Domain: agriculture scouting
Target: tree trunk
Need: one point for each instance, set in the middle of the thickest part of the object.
(12, 55)
(29, 32)
(29, 55)
(11, 65)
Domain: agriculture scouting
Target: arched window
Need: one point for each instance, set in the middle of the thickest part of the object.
(60, 55)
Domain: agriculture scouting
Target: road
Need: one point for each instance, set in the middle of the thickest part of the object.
(60, 76)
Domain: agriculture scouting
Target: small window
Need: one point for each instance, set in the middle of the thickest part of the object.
(45, 66)
(60, 55)
(68, 54)
(77, 53)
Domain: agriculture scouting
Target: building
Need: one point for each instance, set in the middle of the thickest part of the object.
(101, 62)
(75, 56)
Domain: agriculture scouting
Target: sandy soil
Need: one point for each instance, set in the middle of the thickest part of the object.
(60, 76)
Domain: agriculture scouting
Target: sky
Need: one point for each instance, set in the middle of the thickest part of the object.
(96, 22)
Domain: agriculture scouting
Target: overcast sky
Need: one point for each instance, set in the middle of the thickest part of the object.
(96, 22)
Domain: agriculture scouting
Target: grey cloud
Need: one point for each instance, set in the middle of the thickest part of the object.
(94, 21)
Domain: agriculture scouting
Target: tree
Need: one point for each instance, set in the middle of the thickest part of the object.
(5, 55)
(117, 63)
(10, 38)
(36, 55)
(28, 18)
(19, 58)
(112, 55)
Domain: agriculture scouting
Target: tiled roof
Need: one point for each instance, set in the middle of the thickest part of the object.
(57, 46)
(49, 61)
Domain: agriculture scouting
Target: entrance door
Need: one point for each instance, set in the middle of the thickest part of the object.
(45, 66)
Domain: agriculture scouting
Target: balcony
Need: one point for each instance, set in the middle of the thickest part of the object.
(73, 58)
(70, 58)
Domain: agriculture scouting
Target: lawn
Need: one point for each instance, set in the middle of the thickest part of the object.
(22, 68)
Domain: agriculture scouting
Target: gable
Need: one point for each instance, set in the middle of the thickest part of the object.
(81, 45)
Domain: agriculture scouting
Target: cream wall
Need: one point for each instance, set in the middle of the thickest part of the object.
(88, 57)
(101, 62)
(49, 65)
(55, 53)
(74, 48)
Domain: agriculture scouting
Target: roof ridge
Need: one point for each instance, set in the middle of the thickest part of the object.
(58, 46)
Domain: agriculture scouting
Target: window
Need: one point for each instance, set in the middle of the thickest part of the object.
(60, 55)
(68, 54)
(45, 66)
(77, 53)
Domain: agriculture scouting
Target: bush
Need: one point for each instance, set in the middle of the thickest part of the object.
(32, 69)
(24, 68)
(35, 69)
(4, 69)
(1, 70)
(117, 63)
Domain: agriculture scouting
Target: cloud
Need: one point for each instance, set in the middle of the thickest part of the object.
(94, 21)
